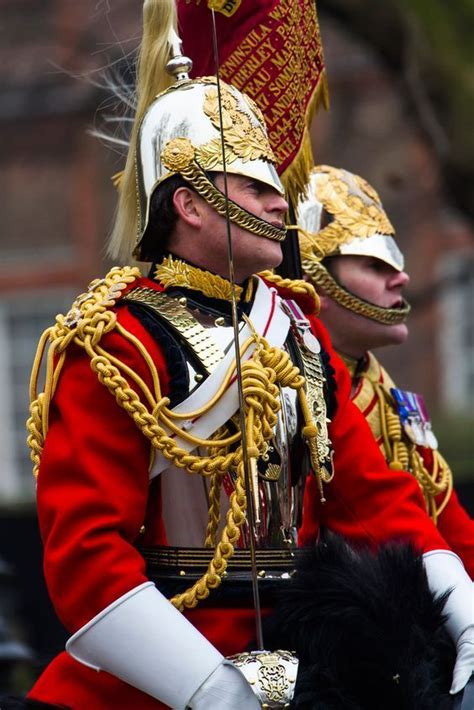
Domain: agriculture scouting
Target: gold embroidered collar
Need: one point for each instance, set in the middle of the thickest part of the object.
(175, 272)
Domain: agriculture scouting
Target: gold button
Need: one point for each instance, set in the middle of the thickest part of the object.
(142, 530)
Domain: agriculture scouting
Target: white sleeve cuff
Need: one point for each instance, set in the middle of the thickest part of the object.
(143, 640)
(446, 573)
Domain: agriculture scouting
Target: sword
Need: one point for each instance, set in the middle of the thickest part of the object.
(251, 477)
(264, 670)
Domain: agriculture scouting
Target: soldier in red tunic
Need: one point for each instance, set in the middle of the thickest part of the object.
(350, 254)
(138, 443)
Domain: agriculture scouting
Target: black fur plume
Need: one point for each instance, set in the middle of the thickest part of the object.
(367, 630)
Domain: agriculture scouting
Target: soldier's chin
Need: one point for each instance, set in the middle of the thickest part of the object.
(395, 334)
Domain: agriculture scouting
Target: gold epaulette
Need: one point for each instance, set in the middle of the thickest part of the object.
(298, 286)
(88, 320)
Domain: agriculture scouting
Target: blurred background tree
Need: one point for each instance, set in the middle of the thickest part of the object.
(429, 45)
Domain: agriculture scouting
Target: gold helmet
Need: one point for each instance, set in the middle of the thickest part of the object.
(342, 214)
(177, 131)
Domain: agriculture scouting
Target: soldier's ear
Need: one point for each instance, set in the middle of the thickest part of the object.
(187, 204)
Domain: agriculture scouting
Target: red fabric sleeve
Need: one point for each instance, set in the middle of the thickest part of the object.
(93, 484)
(457, 528)
(366, 501)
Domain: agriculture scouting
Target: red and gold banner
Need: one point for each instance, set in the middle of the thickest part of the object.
(271, 50)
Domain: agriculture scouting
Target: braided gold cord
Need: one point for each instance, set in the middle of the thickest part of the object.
(440, 480)
(87, 316)
(444, 474)
(289, 375)
(89, 319)
(215, 492)
(320, 276)
(214, 509)
(224, 549)
(303, 288)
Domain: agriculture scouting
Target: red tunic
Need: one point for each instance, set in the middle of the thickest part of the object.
(453, 522)
(94, 495)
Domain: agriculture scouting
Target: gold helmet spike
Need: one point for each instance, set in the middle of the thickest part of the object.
(357, 225)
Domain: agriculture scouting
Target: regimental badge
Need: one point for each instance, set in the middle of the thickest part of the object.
(411, 409)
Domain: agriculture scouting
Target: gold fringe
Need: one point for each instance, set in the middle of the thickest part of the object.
(296, 176)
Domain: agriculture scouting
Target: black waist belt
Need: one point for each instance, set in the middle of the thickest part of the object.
(174, 569)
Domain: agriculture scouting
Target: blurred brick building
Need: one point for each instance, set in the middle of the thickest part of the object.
(58, 200)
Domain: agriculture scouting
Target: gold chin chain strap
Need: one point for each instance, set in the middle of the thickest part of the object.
(320, 275)
(270, 368)
(404, 455)
(238, 216)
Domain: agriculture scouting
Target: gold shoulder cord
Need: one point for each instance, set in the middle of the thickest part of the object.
(298, 286)
(90, 318)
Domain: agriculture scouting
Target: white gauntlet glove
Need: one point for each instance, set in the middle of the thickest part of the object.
(445, 572)
(225, 689)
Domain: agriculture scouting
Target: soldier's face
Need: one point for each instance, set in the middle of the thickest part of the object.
(372, 280)
(200, 235)
(251, 253)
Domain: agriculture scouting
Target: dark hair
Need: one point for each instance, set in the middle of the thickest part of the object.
(162, 219)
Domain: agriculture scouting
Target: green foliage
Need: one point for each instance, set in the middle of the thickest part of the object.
(428, 43)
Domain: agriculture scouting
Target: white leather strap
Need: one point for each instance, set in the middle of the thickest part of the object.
(268, 319)
(143, 640)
